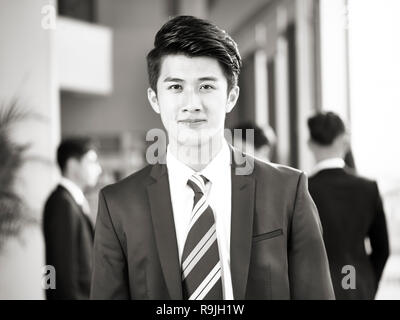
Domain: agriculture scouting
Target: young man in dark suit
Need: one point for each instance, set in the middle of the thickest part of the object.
(350, 209)
(67, 226)
(200, 223)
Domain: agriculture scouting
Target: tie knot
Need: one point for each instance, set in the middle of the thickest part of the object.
(198, 183)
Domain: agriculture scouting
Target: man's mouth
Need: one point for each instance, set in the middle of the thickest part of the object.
(191, 120)
(193, 123)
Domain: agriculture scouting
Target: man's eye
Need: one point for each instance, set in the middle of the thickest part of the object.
(207, 87)
(175, 87)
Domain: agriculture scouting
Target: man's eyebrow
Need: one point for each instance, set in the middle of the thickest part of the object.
(170, 79)
(208, 79)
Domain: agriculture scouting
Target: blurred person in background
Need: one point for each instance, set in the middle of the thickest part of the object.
(68, 229)
(21, 239)
(350, 209)
(264, 141)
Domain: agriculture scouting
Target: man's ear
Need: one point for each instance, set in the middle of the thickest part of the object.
(346, 142)
(71, 165)
(312, 145)
(232, 99)
(341, 143)
(152, 96)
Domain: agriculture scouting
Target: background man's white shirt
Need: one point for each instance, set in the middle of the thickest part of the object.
(333, 163)
(76, 193)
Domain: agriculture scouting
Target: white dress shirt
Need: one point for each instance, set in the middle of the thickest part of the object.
(76, 194)
(333, 163)
(218, 190)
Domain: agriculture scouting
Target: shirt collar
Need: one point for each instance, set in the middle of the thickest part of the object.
(178, 171)
(74, 190)
(332, 163)
(212, 171)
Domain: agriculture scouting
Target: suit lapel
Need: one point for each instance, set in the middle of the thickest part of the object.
(79, 208)
(164, 230)
(243, 190)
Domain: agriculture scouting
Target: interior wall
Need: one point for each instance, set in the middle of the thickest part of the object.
(265, 30)
(28, 73)
(134, 24)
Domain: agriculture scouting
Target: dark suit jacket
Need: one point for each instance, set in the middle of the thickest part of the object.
(277, 251)
(351, 209)
(68, 235)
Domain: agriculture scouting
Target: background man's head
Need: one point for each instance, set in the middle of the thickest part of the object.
(328, 138)
(263, 144)
(78, 161)
(193, 73)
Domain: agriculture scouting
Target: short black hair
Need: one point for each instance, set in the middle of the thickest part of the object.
(325, 127)
(260, 139)
(194, 37)
(73, 148)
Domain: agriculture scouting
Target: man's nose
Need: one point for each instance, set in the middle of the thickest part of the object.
(192, 102)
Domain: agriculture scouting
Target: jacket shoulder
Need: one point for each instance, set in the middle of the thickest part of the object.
(367, 184)
(346, 176)
(274, 170)
(362, 180)
(59, 197)
(132, 182)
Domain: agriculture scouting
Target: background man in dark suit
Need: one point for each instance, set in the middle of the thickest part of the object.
(68, 230)
(203, 226)
(350, 209)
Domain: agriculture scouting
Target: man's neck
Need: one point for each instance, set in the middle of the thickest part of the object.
(197, 157)
(70, 178)
(320, 158)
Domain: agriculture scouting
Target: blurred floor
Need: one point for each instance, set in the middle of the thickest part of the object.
(390, 285)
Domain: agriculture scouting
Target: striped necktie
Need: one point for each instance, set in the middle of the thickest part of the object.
(201, 267)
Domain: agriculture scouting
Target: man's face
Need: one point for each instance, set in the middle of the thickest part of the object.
(192, 99)
(89, 169)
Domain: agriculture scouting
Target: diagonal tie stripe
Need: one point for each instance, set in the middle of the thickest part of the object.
(195, 212)
(202, 243)
(201, 267)
(198, 213)
(199, 181)
(207, 283)
(200, 271)
(198, 253)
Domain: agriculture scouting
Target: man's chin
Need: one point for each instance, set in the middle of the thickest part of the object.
(189, 138)
(191, 142)
(195, 138)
